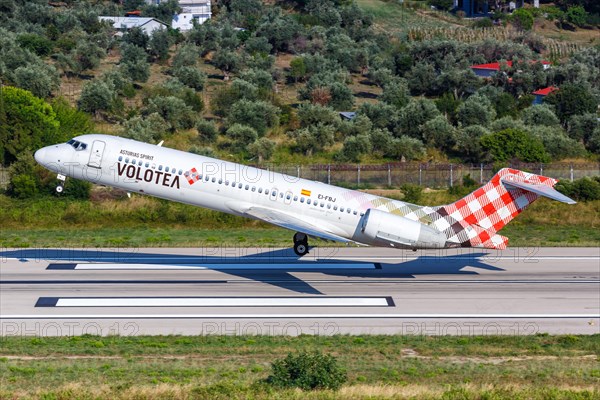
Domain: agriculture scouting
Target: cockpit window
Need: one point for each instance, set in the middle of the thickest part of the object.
(77, 145)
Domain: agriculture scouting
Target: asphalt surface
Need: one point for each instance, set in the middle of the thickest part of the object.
(50, 292)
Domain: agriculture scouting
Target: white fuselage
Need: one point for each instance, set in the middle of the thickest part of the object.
(215, 184)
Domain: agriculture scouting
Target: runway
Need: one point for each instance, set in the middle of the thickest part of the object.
(519, 291)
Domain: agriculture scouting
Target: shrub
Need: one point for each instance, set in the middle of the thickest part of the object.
(522, 19)
(307, 371)
(207, 130)
(584, 189)
(513, 143)
(412, 193)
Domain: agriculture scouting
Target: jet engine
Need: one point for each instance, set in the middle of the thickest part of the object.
(381, 228)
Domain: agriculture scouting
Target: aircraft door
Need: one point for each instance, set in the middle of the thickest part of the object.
(96, 154)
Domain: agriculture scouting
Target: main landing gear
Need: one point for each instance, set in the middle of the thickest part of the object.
(300, 244)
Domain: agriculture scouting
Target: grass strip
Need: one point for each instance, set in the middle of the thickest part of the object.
(181, 367)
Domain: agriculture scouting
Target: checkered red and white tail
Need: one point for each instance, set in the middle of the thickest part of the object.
(474, 220)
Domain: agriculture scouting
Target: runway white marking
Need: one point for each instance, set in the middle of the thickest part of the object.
(99, 266)
(302, 316)
(225, 302)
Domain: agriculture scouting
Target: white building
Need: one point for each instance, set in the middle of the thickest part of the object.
(191, 10)
(122, 24)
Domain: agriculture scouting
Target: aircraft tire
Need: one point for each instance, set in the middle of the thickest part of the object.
(301, 248)
(59, 189)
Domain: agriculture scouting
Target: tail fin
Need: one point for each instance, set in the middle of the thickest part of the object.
(474, 220)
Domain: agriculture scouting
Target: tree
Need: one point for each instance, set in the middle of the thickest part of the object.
(307, 371)
(396, 93)
(576, 15)
(191, 77)
(39, 79)
(164, 11)
(97, 96)
(539, 115)
(30, 123)
(148, 129)
(382, 141)
(35, 43)
(414, 115)
(355, 147)
(186, 56)
(334, 84)
(207, 130)
(136, 37)
(313, 138)
(439, 133)
(382, 115)
(522, 18)
(581, 126)
(72, 122)
(87, 55)
(241, 136)
(261, 78)
(556, 142)
(260, 115)
(476, 110)
(572, 100)
(262, 148)
(314, 114)
(513, 144)
(297, 69)
(421, 78)
(468, 141)
(227, 61)
(408, 148)
(136, 70)
(173, 110)
(159, 44)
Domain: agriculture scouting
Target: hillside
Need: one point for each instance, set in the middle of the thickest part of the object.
(264, 82)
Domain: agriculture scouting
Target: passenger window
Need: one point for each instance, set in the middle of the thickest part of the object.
(348, 210)
(214, 179)
(335, 208)
(328, 205)
(254, 188)
(166, 169)
(361, 214)
(127, 160)
(148, 164)
(160, 167)
(220, 181)
(267, 192)
(288, 197)
(180, 171)
(120, 157)
(140, 163)
(308, 201)
(322, 204)
(281, 195)
(295, 198)
(226, 183)
(341, 209)
(247, 187)
(240, 185)
(301, 199)
(354, 212)
(259, 190)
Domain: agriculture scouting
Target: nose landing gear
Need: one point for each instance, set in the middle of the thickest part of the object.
(300, 244)
(61, 184)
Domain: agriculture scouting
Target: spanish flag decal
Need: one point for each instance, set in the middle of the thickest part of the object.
(305, 192)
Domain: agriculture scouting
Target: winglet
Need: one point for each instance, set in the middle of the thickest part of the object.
(541, 190)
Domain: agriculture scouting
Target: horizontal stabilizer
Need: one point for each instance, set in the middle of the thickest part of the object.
(542, 190)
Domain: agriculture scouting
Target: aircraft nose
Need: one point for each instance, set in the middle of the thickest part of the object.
(40, 156)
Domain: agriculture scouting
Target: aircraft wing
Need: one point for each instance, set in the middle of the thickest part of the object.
(289, 222)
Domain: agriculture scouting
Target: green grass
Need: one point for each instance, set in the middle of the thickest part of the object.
(149, 222)
(234, 367)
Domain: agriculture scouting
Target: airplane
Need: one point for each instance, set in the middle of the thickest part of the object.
(310, 208)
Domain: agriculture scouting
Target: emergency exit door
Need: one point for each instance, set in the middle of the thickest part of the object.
(96, 154)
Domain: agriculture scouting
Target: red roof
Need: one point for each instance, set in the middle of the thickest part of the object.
(545, 91)
(493, 66)
(135, 12)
